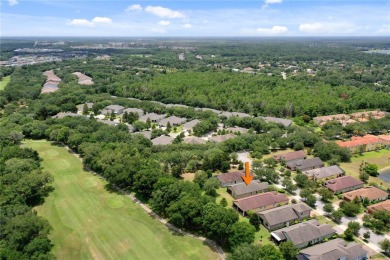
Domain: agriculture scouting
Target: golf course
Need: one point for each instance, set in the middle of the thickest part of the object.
(90, 222)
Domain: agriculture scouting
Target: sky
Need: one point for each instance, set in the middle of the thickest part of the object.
(201, 18)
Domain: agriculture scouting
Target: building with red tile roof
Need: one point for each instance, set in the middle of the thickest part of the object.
(230, 178)
(260, 202)
(343, 184)
(370, 193)
(291, 156)
(367, 143)
(384, 205)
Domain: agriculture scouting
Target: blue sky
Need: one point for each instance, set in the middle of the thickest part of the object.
(195, 18)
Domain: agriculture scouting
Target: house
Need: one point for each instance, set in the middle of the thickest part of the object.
(291, 156)
(83, 79)
(236, 129)
(237, 114)
(284, 216)
(260, 202)
(193, 140)
(217, 112)
(362, 143)
(162, 140)
(176, 105)
(242, 190)
(230, 178)
(343, 184)
(305, 165)
(283, 121)
(321, 120)
(172, 120)
(138, 111)
(80, 107)
(146, 134)
(153, 117)
(130, 127)
(65, 114)
(384, 205)
(385, 140)
(365, 115)
(189, 125)
(324, 173)
(336, 249)
(304, 234)
(373, 194)
(221, 138)
(117, 109)
(108, 122)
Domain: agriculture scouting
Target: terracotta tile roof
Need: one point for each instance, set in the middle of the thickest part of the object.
(384, 137)
(371, 193)
(384, 205)
(291, 156)
(260, 200)
(359, 140)
(342, 183)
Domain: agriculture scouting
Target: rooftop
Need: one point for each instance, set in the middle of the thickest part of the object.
(242, 188)
(162, 140)
(384, 205)
(291, 156)
(191, 124)
(230, 177)
(173, 120)
(261, 200)
(342, 183)
(325, 172)
(283, 121)
(371, 193)
(307, 163)
(193, 140)
(221, 138)
(285, 213)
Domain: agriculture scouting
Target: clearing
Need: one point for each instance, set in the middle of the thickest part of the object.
(380, 158)
(90, 222)
(4, 82)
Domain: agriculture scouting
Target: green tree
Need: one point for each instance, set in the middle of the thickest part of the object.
(223, 202)
(254, 220)
(240, 233)
(210, 186)
(311, 200)
(270, 252)
(328, 208)
(354, 227)
(288, 250)
(326, 195)
(200, 178)
(337, 215)
(385, 246)
(85, 109)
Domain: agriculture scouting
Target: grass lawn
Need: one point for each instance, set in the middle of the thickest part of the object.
(380, 158)
(90, 222)
(222, 193)
(4, 82)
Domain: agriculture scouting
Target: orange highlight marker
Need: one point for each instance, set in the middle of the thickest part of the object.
(247, 178)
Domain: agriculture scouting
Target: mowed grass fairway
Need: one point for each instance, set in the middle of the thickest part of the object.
(89, 222)
(4, 82)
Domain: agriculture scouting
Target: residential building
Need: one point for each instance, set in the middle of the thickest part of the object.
(230, 178)
(291, 156)
(83, 79)
(304, 234)
(80, 107)
(305, 165)
(321, 120)
(343, 184)
(65, 114)
(146, 134)
(324, 173)
(138, 111)
(284, 216)
(237, 114)
(221, 138)
(242, 190)
(189, 125)
(117, 109)
(384, 205)
(193, 140)
(153, 117)
(237, 129)
(172, 120)
(260, 202)
(362, 143)
(385, 140)
(283, 121)
(162, 140)
(336, 249)
(373, 194)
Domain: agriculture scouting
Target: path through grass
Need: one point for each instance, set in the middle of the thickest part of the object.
(90, 222)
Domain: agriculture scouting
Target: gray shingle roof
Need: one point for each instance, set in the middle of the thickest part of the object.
(303, 164)
(284, 214)
(283, 121)
(152, 116)
(291, 156)
(193, 140)
(303, 232)
(140, 112)
(173, 120)
(191, 124)
(146, 134)
(236, 129)
(221, 138)
(325, 172)
(162, 140)
(65, 114)
(237, 114)
(242, 188)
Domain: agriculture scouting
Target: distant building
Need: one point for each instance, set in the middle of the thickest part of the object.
(283, 121)
(236, 129)
(193, 140)
(172, 120)
(324, 173)
(284, 216)
(221, 138)
(230, 178)
(162, 140)
(146, 134)
(343, 184)
(65, 114)
(237, 114)
(336, 249)
(304, 234)
(153, 117)
(362, 143)
(305, 165)
(384, 205)
(117, 109)
(260, 202)
(242, 190)
(291, 156)
(373, 194)
(138, 111)
(189, 125)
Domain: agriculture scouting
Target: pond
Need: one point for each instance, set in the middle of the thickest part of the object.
(385, 175)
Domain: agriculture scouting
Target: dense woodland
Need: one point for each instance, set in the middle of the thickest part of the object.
(154, 173)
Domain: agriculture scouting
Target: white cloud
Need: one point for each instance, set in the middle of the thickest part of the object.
(164, 23)
(80, 22)
(135, 7)
(329, 28)
(163, 12)
(104, 20)
(267, 2)
(93, 22)
(384, 30)
(13, 2)
(275, 30)
(187, 26)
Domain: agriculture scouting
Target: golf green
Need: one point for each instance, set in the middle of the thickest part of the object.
(90, 222)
